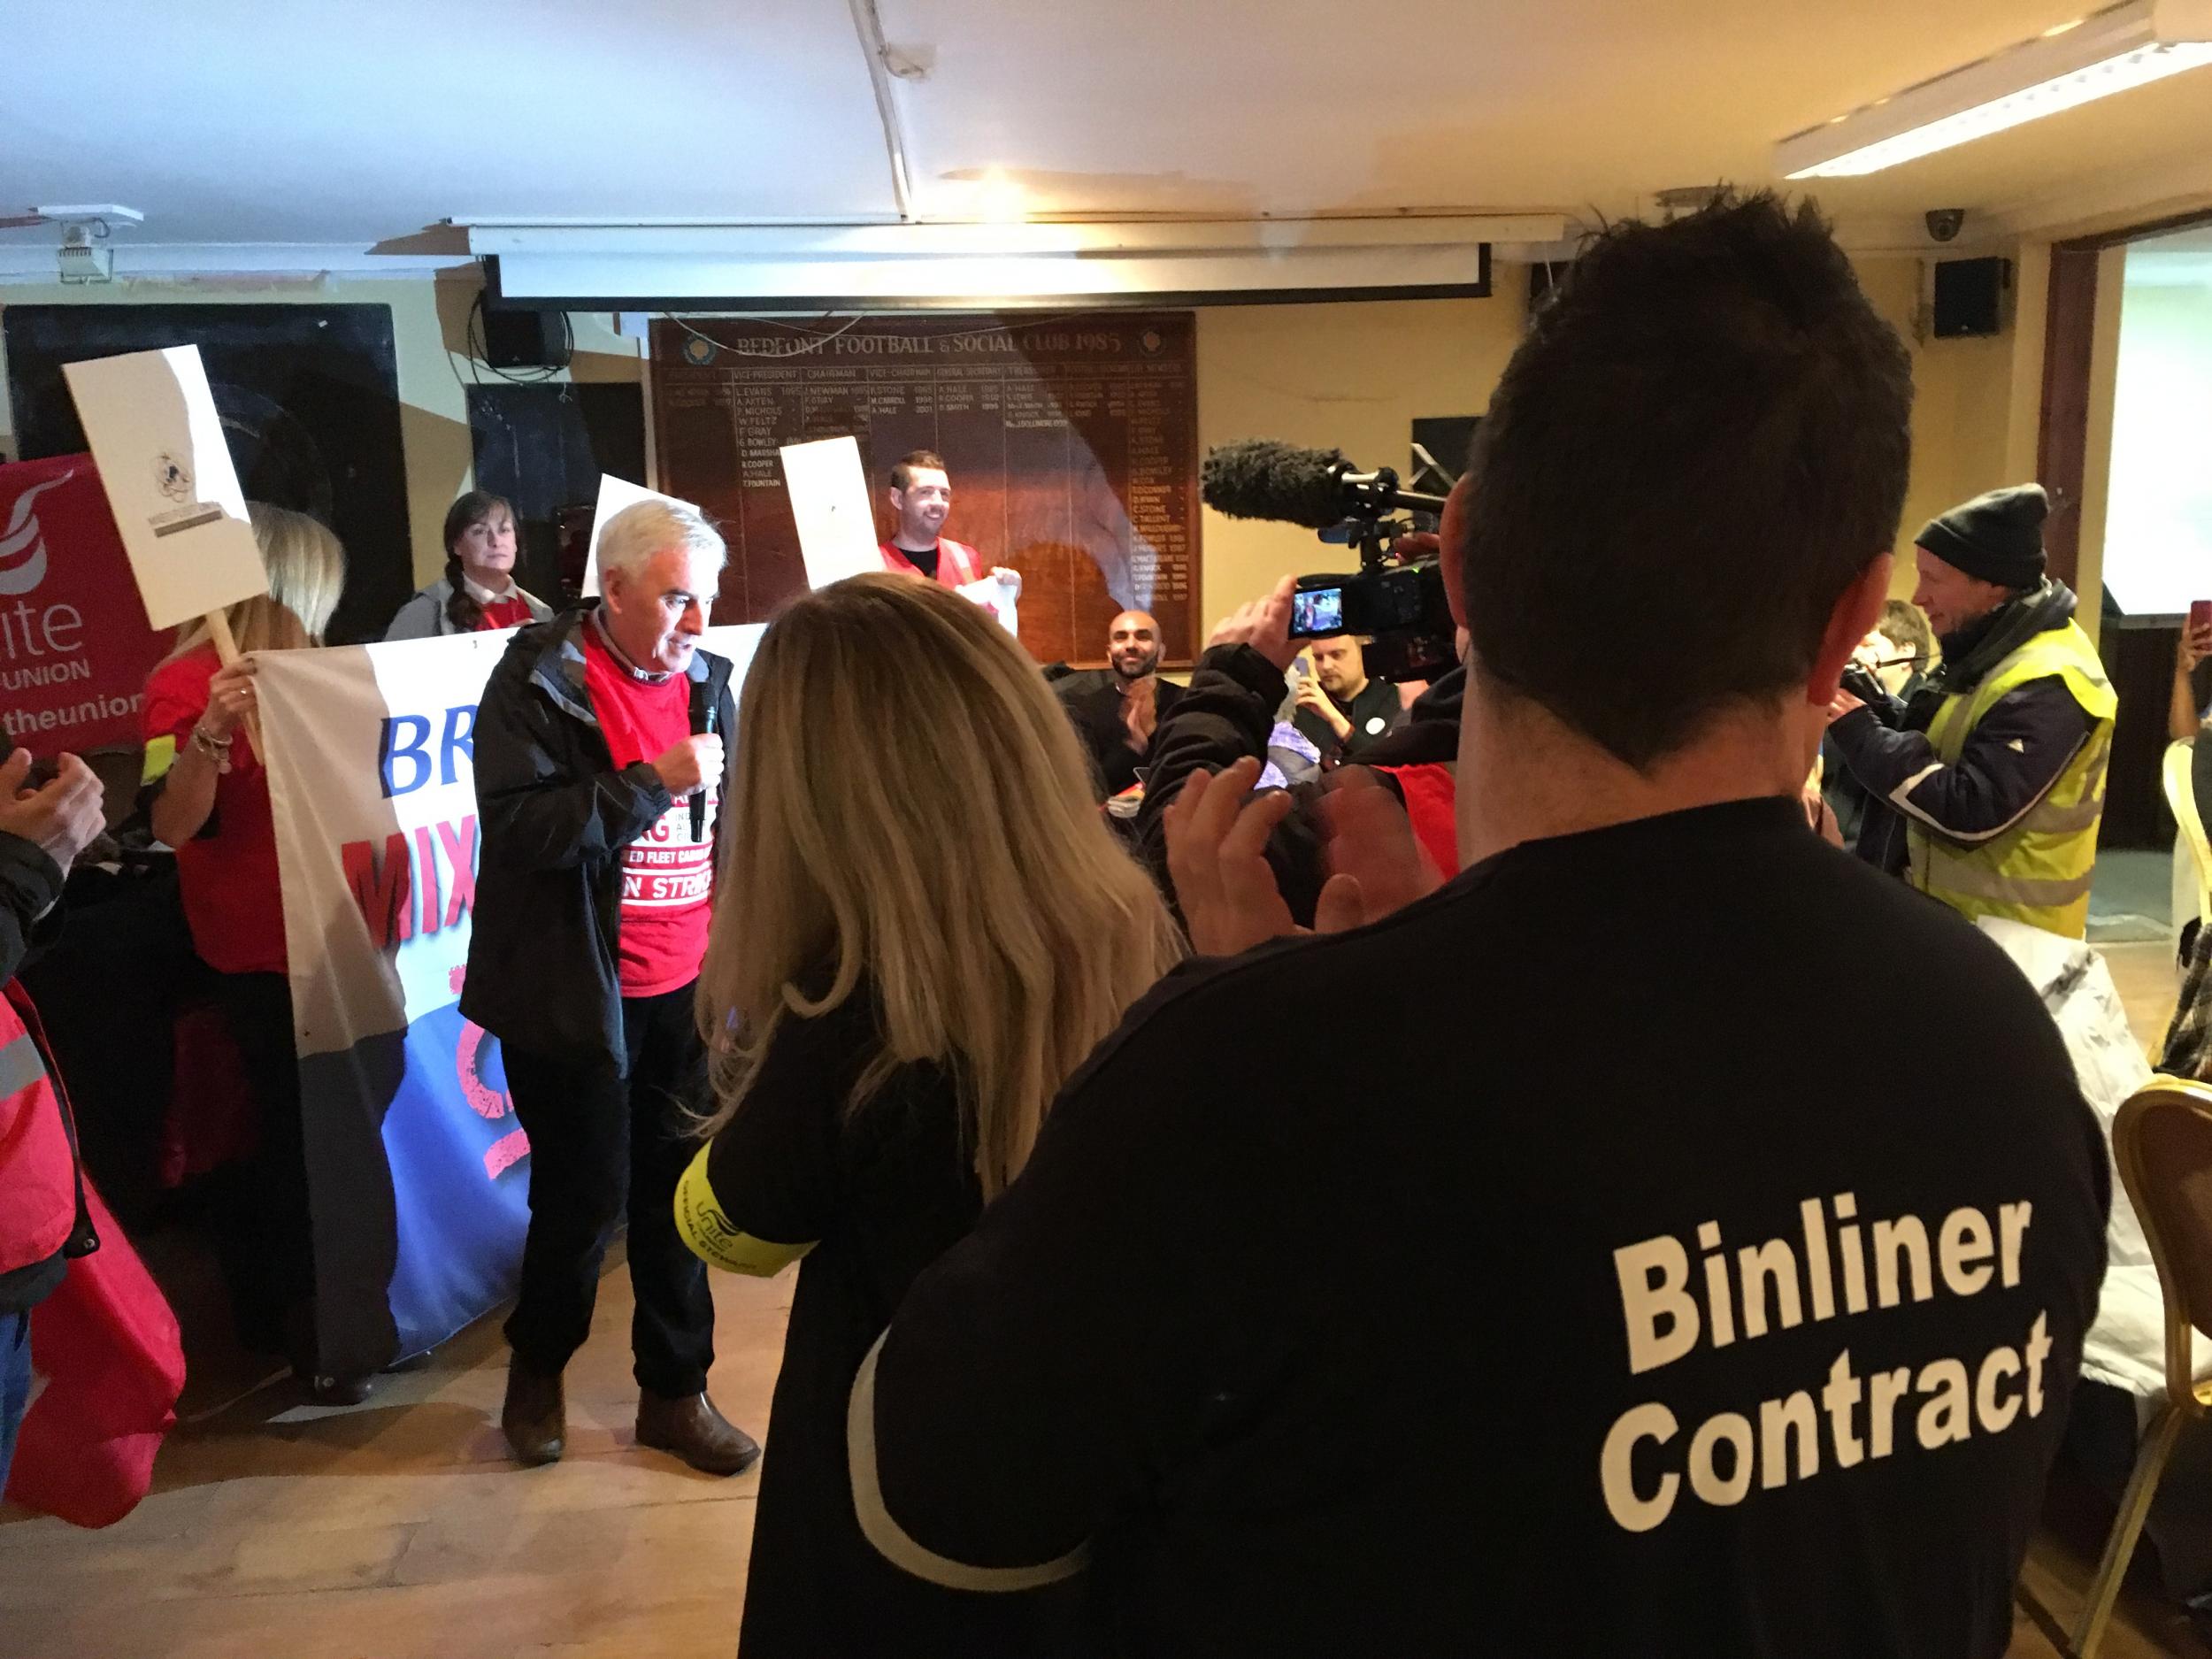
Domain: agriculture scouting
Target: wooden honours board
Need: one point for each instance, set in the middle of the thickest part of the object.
(1072, 448)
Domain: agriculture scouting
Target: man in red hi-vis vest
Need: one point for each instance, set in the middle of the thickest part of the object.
(921, 501)
(41, 1201)
(114, 1360)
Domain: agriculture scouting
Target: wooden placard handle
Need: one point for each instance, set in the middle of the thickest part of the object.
(227, 653)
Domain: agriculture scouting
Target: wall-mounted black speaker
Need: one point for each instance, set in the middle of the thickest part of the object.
(525, 339)
(1969, 298)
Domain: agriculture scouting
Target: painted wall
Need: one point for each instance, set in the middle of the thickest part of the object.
(1354, 376)
(1962, 405)
(429, 319)
(1348, 376)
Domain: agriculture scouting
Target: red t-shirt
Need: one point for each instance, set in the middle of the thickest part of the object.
(667, 877)
(511, 612)
(232, 902)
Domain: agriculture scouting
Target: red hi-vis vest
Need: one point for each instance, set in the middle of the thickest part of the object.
(105, 1341)
(957, 562)
(38, 1171)
(1432, 797)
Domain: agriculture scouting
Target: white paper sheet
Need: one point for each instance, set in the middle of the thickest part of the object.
(151, 424)
(615, 494)
(998, 596)
(829, 502)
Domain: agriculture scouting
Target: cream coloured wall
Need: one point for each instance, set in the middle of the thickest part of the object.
(427, 316)
(1962, 404)
(1350, 376)
(1354, 376)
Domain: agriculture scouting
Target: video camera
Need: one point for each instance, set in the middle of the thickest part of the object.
(1396, 597)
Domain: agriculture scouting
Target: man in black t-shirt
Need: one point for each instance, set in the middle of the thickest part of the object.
(1341, 711)
(1592, 1298)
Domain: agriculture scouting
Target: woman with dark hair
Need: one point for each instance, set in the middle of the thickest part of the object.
(478, 590)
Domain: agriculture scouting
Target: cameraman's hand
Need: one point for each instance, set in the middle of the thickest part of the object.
(1217, 838)
(1842, 703)
(1264, 625)
(63, 818)
(690, 763)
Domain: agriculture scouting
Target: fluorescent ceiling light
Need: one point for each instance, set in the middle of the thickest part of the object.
(2110, 51)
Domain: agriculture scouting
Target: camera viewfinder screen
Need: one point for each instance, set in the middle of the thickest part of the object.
(1317, 612)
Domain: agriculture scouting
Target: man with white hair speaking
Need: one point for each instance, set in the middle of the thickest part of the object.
(600, 769)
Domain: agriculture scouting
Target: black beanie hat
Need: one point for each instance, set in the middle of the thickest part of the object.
(1997, 537)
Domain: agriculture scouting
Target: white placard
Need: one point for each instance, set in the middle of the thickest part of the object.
(829, 502)
(998, 596)
(151, 424)
(615, 494)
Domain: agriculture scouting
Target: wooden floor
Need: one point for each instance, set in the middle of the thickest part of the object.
(397, 1530)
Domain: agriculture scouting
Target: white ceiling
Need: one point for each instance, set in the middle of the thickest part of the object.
(232, 121)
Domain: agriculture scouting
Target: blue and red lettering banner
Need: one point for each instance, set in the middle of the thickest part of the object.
(417, 1166)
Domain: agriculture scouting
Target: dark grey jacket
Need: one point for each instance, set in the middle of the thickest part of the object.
(555, 814)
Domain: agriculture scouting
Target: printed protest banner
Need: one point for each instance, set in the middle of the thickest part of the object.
(75, 647)
(417, 1166)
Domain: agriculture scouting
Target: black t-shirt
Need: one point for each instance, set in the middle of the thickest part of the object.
(1093, 699)
(1626, 1282)
(885, 1190)
(924, 561)
(1375, 712)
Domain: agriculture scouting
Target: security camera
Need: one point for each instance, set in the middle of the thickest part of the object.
(1945, 222)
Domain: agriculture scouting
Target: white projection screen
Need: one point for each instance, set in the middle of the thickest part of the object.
(2158, 520)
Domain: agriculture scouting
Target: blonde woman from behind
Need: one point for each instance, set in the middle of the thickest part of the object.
(212, 804)
(923, 927)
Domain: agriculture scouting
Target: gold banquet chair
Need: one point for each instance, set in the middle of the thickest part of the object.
(2181, 796)
(2161, 1140)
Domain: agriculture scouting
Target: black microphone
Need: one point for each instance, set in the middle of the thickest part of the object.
(1261, 478)
(699, 798)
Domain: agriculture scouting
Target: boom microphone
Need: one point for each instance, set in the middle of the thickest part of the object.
(1261, 478)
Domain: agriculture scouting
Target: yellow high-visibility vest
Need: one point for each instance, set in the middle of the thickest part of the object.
(2038, 871)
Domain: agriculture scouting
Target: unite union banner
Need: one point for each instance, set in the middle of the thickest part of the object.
(75, 647)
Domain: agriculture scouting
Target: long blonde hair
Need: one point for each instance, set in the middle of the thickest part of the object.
(911, 807)
(306, 567)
